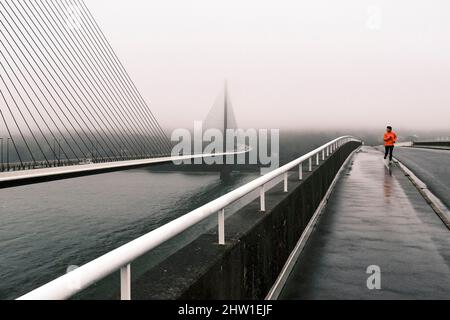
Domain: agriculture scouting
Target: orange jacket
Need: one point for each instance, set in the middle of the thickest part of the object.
(390, 138)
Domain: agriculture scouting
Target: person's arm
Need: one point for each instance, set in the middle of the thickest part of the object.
(386, 138)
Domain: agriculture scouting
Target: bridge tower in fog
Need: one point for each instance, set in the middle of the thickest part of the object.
(221, 116)
(225, 169)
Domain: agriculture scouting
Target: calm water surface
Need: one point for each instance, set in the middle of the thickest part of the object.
(47, 227)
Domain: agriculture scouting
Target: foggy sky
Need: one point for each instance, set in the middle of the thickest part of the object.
(296, 64)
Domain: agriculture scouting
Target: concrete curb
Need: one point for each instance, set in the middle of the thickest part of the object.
(441, 210)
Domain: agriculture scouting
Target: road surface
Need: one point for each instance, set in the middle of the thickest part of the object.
(431, 166)
(375, 219)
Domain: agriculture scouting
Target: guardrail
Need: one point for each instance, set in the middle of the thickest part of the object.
(432, 143)
(404, 144)
(40, 164)
(121, 258)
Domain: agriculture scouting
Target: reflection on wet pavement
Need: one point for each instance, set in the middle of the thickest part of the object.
(387, 185)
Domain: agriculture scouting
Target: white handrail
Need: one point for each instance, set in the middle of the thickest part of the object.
(71, 283)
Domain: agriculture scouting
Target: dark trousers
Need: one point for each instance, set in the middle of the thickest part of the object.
(388, 150)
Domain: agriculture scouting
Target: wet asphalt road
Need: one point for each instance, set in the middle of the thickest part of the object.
(431, 166)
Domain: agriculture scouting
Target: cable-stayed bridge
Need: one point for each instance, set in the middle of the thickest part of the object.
(315, 228)
(66, 96)
(67, 103)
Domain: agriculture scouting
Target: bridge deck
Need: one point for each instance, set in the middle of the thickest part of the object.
(17, 178)
(373, 218)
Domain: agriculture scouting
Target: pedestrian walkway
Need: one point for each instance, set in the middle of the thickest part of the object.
(375, 217)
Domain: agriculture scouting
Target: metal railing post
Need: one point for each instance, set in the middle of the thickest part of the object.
(222, 227)
(125, 282)
(323, 154)
(300, 171)
(262, 196)
(317, 159)
(310, 164)
(328, 151)
(285, 182)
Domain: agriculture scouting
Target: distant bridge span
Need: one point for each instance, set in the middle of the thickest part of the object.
(20, 178)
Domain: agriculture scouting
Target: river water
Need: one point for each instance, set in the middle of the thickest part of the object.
(46, 228)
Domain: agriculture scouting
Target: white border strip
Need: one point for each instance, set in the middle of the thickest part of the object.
(293, 257)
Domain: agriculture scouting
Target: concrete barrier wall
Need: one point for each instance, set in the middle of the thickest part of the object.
(258, 244)
(432, 143)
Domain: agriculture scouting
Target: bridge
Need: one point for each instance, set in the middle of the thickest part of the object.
(69, 108)
(336, 222)
(337, 211)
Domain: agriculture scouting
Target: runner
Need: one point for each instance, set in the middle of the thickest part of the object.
(389, 140)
